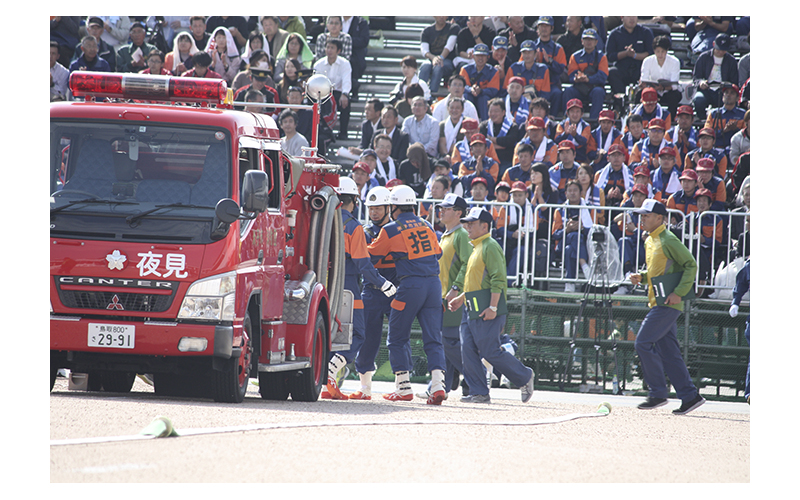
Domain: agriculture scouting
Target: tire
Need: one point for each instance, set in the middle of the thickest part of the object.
(230, 384)
(117, 381)
(307, 383)
(95, 382)
(273, 386)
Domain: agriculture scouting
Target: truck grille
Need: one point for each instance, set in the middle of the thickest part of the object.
(146, 302)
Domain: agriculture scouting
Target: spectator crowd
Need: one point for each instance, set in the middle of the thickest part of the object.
(575, 110)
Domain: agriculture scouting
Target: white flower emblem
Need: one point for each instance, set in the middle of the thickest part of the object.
(115, 260)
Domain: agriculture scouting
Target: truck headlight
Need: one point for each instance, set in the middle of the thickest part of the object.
(210, 299)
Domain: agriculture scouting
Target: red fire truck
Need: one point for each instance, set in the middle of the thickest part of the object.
(185, 244)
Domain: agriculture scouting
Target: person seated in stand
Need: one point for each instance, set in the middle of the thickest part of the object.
(631, 244)
(291, 142)
(571, 38)
(479, 164)
(615, 177)
(522, 170)
(571, 226)
(629, 44)
(520, 221)
(258, 59)
(740, 142)
(415, 170)
(649, 108)
(456, 85)
(634, 131)
(705, 149)
(543, 193)
(438, 44)
(132, 57)
(255, 96)
(552, 55)
(389, 121)
(422, 127)
(588, 72)
(408, 66)
(714, 184)
(708, 236)
(728, 118)
(385, 166)
(544, 150)
(180, 59)
(575, 130)
(155, 64)
(661, 71)
(473, 34)
(641, 176)
(260, 75)
(517, 106)
(201, 68)
(540, 107)
(590, 192)
(478, 189)
(450, 128)
(646, 150)
(516, 33)
(502, 193)
(666, 177)
(255, 41)
(291, 78)
(683, 200)
(683, 135)
(96, 27)
(334, 25)
(338, 70)
(602, 139)
(500, 61)
(89, 60)
(361, 175)
(294, 47)
(714, 66)
(461, 149)
(565, 170)
(502, 132)
(483, 81)
(224, 54)
(531, 72)
(441, 168)
(370, 125)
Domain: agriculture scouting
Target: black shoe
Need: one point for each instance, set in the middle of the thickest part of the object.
(477, 398)
(688, 406)
(652, 403)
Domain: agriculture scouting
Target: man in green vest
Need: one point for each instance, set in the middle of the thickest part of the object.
(670, 276)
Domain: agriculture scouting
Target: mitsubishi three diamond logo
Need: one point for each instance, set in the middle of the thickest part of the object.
(115, 260)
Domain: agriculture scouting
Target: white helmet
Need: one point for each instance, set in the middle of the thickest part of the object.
(347, 186)
(378, 196)
(403, 195)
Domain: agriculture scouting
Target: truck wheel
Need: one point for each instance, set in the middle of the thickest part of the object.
(117, 381)
(230, 384)
(274, 386)
(307, 384)
(95, 382)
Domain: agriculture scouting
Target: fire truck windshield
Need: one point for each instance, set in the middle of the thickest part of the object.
(105, 174)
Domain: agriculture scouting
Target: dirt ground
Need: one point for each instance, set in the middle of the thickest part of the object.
(410, 442)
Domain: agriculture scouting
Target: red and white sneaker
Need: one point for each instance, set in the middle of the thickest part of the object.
(324, 394)
(333, 389)
(436, 398)
(394, 396)
(360, 395)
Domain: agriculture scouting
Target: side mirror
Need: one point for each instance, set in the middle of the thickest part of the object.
(255, 191)
(227, 211)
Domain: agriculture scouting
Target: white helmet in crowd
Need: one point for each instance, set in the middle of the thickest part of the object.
(378, 196)
(347, 186)
(403, 195)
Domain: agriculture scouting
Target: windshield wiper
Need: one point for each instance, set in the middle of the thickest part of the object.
(91, 200)
(133, 218)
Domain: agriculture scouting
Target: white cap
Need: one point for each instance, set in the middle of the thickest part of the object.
(377, 196)
(403, 195)
(347, 186)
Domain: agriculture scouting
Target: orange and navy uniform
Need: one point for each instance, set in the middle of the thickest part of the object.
(709, 227)
(550, 156)
(412, 244)
(685, 203)
(580, 60)
(718, 192)
(516, 173)
(488, 78)
(719, 118)
(559, 177)
(461, 152)
(644, 153)
(658, 112)
(581, 140)
(716, 154)
(538, 76)
(490, 166)
(357, 259)
(597, 141)
(557, 65)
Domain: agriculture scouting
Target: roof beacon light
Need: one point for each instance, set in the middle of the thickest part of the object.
(148, 87)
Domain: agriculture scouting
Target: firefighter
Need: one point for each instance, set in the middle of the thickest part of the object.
(412, 244)
(376, 304)
(357, 262)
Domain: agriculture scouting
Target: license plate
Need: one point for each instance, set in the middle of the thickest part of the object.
(116, 336)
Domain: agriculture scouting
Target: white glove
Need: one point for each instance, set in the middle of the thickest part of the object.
(734, 310)
(388, 289)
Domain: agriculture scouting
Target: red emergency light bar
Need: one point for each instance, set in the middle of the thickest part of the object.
(148, 87)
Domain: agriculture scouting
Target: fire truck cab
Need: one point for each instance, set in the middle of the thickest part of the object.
(185, 244)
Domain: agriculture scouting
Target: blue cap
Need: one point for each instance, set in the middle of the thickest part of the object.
(527, 45)
(590, 33)
(369, 152)
(546, 20)
(481, 48)
(500, 42)
(722, 42)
